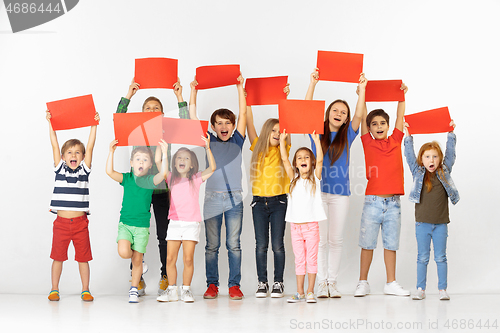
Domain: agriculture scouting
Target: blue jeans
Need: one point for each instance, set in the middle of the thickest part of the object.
(439, 234)
(230, 206)
(380, 213)
(269, 212)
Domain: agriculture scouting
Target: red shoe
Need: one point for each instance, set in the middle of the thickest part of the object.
(235, 292)
(212, 292)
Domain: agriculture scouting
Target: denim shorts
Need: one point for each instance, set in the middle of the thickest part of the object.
(379, 213)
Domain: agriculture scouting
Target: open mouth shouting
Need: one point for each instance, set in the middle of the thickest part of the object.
(182, 166)
(73, 163)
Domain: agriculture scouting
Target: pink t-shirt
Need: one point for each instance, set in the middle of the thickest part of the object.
(184, 199)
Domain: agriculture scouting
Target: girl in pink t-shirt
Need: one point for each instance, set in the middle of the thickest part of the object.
(184, 228)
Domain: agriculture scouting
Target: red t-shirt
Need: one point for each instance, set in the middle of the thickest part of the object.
(384, 164)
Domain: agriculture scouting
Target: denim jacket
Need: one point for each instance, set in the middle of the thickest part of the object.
(418, 171)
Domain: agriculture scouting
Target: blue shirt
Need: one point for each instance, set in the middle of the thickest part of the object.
(335, 178)
(227, 154)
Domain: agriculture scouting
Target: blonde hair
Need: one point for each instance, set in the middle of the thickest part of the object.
(262, 148)
(428, 175)
(310, 174)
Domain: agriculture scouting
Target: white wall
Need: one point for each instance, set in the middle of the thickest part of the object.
(446, 52)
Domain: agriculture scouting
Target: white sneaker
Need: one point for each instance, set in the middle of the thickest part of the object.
(133, 295)
(443, 295)
(394, 288)
(323, 289)
(419, 295)
(362, 289)
(172, 294)
(163, 296)
(310, 298)
(187, 296)
(333, 291)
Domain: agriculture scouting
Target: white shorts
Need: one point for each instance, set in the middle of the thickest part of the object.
(183, 230)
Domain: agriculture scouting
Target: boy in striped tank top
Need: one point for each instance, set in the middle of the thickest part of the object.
(70, 201)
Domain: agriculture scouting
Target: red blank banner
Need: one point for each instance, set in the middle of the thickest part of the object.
(217, 76)
(153, 73)
(138, 128)
(72, 113)
(384, 91)
(184, 131)
(265, 90)
(339, 66)
(303, 117)
(432, 121)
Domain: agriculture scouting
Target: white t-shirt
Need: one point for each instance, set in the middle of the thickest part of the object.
(303, 206)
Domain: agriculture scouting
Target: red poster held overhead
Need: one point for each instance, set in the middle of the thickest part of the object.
(217, 76)
(184, 131)
(153, 73)
(138, 128)
(299, 116)
(427, 122)
(384, 91)
(265, 90)
(72, 113)
(339, 66)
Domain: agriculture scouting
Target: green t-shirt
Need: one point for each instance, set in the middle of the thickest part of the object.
(137, 193)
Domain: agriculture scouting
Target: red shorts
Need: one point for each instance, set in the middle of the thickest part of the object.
(76, 230)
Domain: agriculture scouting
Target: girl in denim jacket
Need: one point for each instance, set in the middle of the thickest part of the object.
(432, 186)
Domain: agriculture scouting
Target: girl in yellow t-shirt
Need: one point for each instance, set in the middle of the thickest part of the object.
(269, 188)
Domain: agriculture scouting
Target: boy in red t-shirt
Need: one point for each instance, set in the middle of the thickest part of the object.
(382, 206)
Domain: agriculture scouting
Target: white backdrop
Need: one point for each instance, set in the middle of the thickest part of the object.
(446, 52)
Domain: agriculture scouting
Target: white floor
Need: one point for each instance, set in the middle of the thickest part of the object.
(111, 313)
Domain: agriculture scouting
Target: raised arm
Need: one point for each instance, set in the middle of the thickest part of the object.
(401, 111)
(116, 176)
(312, 84)
(361, 104)
(409, 151)
(252, 133)
(162, 174)
(451, 142)
(284, 155)
(319, 155)
(56, 153)
(211, 160)
(132, 89)
(90, 144)
(242, 117)
(178, 91)
(192, 100)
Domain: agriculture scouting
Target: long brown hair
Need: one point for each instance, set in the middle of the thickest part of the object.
(310, 173)
(262, 148)
(193, 171)
(336, 147)
(428, 175)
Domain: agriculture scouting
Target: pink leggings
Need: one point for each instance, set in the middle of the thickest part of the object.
(305, 240)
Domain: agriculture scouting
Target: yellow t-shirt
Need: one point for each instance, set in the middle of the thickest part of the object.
(272, 179)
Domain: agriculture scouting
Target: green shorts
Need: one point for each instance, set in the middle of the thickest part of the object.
(137, 236)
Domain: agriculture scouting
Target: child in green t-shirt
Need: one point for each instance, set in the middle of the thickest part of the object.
(138, 186)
